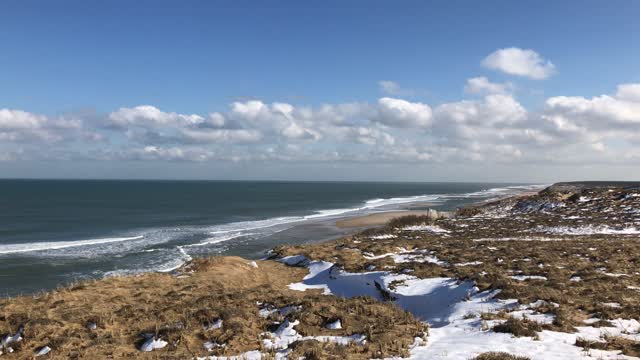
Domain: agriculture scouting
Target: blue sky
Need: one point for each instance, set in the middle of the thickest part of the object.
(87, 59)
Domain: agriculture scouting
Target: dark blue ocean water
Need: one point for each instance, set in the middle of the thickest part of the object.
(56, 231)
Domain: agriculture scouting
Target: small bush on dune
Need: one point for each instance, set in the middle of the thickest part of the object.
(409, 220)
(519, 327)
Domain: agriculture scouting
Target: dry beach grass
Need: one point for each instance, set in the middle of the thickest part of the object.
(177, 308)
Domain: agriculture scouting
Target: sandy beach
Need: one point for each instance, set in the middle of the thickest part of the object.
(377, 219)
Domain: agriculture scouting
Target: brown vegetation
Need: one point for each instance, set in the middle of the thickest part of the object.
(518, 327)
(177, 309)
(499, 356)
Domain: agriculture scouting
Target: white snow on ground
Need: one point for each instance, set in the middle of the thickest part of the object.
(294, 260)
(588, 230)
(336, 325)
(431, 299)
(405, 256)
(9, 339)
(446, 304)
(530, 314)
(524, 238)
(464, 341)
(152, 344)
(286, 335)
(382, 237)
(249, 355)
(527, 277)
(431, 228)
(469, 263)
(210, 345)
(43, 351)
(626, 328)
(284, 311)
(217, 324)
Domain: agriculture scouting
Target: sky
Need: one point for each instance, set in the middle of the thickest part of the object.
(522, 91)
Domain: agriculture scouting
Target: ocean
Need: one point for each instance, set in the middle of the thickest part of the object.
(53, 232)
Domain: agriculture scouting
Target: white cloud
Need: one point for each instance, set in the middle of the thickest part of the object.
(520, 62)
(216, 120)
(482, 85)
(598, 146)
(222, 135)
(402, 113)
(168, 154)
(23, 126)
(494, 110)
(18, 119)
(629, 92)
(150, 115)
(493, 128)
(248, 109)
(621, 109)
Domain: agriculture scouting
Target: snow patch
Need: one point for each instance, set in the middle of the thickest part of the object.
(430, 228)
(152, 344)
(528, 277)
(588, 230)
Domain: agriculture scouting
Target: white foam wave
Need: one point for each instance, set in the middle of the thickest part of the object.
(236, 227)
(43, 246)
(215, 240)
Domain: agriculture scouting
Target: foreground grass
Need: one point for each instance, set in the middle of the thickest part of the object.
(178, 308)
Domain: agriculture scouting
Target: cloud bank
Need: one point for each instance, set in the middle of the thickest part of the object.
(495, 127)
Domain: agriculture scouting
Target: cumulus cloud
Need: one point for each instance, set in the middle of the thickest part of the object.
(18, 119)
(149, 125)
(23, 126)
(150, 115)
(493, 109)
(402, 113)
(482, 85)
(520, 62)
(492, 127)
(621, 109)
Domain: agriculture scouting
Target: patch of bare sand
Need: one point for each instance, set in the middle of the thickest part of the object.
(377, 219)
